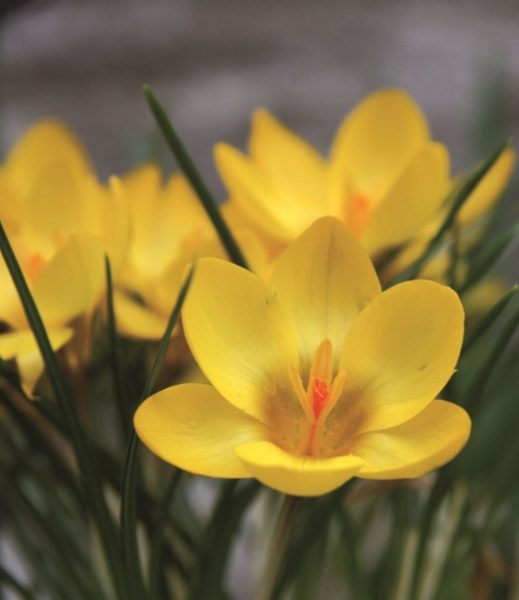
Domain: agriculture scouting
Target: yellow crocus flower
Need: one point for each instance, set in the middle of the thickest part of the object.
(384, 178)
(316, 377)
(60, 222)
(169, 228)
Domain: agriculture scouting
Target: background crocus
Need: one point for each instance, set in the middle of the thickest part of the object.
(60, 222)
(169, 229)
(317, 377)
(385, 177)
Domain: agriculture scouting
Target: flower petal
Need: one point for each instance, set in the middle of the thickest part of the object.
(193, 427)
(16, 343)
(293, 165)
(323, 280)
(45, 144)
(23, 346)
(426, 442)
(411, 201)
(276, 212)
(296, 475)
(238, 334)
(250, 191)
(136, 320)
(375, 142)
(399, 353)
(489, 189)
(72, 281)
(54, 208)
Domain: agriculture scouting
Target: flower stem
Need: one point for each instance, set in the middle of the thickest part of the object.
(280, 539)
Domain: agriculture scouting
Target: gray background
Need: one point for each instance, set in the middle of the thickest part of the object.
(212, 61)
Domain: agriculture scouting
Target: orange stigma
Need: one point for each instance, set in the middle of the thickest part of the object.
(320, 396)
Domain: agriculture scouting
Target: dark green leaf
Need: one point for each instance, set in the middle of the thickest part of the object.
(92, 483)
(128, 505)
(191, 172)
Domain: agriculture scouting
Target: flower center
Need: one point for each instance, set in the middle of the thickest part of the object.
(34, 265)
(320, 396)
(358, 211)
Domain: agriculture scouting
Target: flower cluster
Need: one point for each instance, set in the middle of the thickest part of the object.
(333, 320)
(317, 375)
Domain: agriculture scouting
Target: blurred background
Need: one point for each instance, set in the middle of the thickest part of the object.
(212, 62)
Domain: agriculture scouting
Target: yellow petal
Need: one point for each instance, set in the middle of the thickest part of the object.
(165, 220)
(11, 213)
(142, 182)
(54, 208)
(238, 335)
(296, 475)
(273, 211)
(375, 142)
(192, 427)
(426, 442)
(489, 189)
(72, 281)
(109, 206)
(399, 353)
(16, 343)
(11, 310)
(292, 164)
(412, 201)
(23, 346)
(323, 280)
(136, 320)
(45, 144)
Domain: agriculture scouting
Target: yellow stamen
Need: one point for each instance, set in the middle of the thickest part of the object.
(297, 384)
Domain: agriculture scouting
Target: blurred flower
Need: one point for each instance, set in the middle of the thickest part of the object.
(60, 222)
(381, 162)
(169, 228)
(317, 377)
(384, 178)
(469, 228)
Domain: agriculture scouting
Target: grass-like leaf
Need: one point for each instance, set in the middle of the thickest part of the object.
(456, 201)
(311, 526)
(233, 501)
(128, 515)
(91, 481)
(115, 356)
(8, 580)
(193, 175)
(480, 382)
(487, 320)
(488, 257)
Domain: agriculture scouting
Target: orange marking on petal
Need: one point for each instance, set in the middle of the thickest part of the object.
(358, 212)
(34, 265)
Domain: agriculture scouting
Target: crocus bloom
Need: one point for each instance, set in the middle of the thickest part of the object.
(60, 223)
(316, 377)
(169, 228)
(470, 222)
(384, 177)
